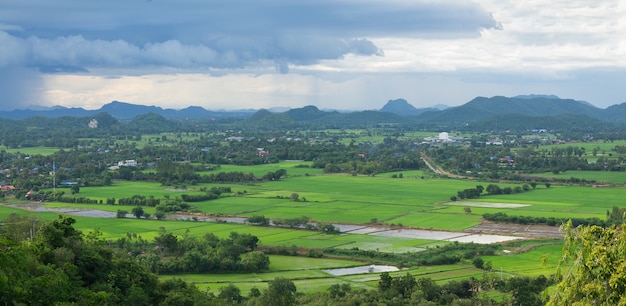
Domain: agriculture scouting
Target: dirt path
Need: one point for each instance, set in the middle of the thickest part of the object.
(438, 170)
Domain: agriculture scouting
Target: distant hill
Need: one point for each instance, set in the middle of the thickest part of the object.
(535, 96)
(615, 113)
(481, 111)
(306, 113)
(482, 108)
(123, 111)
(403, 108)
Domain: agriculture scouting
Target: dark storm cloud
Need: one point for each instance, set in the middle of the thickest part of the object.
(222, 34)
(18, 86)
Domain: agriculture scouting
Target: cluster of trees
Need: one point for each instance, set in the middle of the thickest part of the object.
(614, 216)
(492, 189)
(408, 290)
(488, 162)
(551, 221)
(61, 265)
(298, 222)
(440, 255)
(170, 253)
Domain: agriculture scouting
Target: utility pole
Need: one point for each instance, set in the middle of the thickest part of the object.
(54, 181)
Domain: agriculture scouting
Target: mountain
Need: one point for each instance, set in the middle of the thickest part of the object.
(403, 108)
(123, 111)
(307, 113)
(479, 111)
(482, 108)
(127, 111)
(535, 96)
(615, 113)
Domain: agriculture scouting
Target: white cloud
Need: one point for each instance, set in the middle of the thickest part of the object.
(340, 54)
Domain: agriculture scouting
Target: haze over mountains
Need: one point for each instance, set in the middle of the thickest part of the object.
(398, 110)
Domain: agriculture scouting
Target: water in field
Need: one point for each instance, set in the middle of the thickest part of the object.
(361, 270)
(344, 228)
(434, 235)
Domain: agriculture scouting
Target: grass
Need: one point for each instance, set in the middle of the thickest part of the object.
(606, 147)
(293, 168)
(127, 189)
(541, 260)
(45, 151)
(610, 177)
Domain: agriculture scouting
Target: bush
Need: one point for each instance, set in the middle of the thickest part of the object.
(121, 213)
(478, 263)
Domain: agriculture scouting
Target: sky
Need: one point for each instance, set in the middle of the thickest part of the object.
(341, 54)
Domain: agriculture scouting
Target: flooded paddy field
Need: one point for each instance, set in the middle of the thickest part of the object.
(361, 270)
(483, 234)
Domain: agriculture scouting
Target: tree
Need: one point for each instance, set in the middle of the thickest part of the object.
(168, 242)
(121, 213)
(384, 283)
(257, 219)
(595, 259)
(231, 294)
(254, 261)
(280, 292)
(137, 212)
(295, 197)
(493, 189)
(404, 284)
(480, 189)
(467, 210)
(478, 262)
(160, 215)
(75, 189)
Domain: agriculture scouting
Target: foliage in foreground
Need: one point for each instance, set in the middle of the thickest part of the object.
(60, 265)
(595, 258)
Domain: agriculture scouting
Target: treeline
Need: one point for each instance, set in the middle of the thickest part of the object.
(492, 189)
(170, 253)
(408, 290)
(297, 222)
(613, 216)
(510, 162)
(448, 254)
(212, 194)
(551, 221)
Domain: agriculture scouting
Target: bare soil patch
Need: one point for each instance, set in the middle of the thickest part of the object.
(488, 204)
(534, 231)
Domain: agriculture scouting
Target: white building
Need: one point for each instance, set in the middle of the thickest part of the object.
(443, 136)
(128, 163)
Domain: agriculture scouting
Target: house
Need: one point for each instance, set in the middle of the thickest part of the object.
(506, 160)
(127, 163)
(6, 188)
(261, 152)
(29, 194)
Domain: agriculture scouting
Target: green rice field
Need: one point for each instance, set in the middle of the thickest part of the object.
(31, 151)
(601, 177)
(417, 201)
